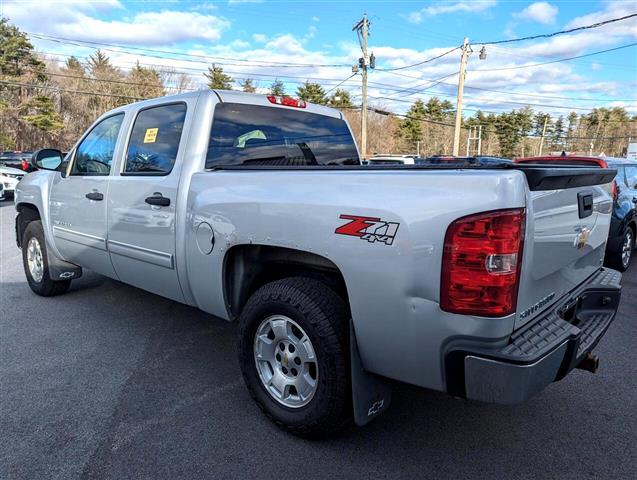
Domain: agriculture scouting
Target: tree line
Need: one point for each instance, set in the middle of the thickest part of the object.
(45, 103)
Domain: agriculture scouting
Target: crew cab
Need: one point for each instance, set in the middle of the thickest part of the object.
(482, 280)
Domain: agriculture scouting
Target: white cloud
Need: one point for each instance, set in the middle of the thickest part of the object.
(440, 8)
(613, 9)
(541, 12)
(237, 57)
(311, 32)
(239, 44)
(79, 20)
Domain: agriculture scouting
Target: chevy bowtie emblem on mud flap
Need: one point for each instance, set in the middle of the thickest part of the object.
(368, 228)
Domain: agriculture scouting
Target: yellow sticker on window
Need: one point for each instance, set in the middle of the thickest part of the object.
(151, 135)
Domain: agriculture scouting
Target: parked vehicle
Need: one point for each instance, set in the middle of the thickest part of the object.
(392, 160)
(1, 191)
(623, 227)
(10, 178)
(15, 159)
(483, 281)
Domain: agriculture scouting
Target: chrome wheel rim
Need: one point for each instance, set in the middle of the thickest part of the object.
(627, 249)
(34, 260)
(286, 361)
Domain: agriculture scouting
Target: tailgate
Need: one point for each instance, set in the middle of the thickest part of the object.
(567, 229)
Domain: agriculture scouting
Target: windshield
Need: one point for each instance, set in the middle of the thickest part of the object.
(257, 135)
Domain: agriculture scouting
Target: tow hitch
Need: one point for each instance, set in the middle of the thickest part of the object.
(590, 363)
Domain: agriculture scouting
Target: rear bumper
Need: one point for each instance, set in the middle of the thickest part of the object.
(541, 352)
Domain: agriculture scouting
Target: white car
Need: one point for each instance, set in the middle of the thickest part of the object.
(9, 177)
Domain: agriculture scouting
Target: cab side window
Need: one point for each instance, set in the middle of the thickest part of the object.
(154, 141)
(631, 177)
(94, 155)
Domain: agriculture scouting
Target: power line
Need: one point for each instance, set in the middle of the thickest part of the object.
(561, 32)
(510, 92)
(79, 92)
(526, 94)
(207, 58)
(341, 83)
(433, 84)
(112, 81)
(419, 63)
(388, 86)
(382, 85)
(555, 61)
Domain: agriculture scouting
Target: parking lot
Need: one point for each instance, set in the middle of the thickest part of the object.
(109, 381)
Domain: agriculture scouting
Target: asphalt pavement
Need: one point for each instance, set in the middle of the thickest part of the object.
(109, 381)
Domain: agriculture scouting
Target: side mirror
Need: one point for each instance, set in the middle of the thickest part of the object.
(47, 159)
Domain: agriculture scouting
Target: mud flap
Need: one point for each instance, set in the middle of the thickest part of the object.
(60, 269)
(371, 394)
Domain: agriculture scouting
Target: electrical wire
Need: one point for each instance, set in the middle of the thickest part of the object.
(341, 83)
(555, 61)
(78, 92)
(127, 48)
(419, 63)
(549, 35)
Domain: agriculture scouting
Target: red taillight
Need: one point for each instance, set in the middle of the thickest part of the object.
(613, 190)
(287, 101)
(481, 263)
(25, 165)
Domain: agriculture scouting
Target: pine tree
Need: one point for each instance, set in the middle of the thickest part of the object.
(437, 109)
(410, 127)
(144, 82)
(277, 88)
(40, 113)
(217, 79)
(340, 99)
(311, 92)
(248, 85)
(16, 53)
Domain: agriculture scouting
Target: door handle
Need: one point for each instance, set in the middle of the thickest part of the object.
(97, 196)
(158, 199)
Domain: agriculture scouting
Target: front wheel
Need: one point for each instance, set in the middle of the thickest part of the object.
(293, 352)
(35, 262)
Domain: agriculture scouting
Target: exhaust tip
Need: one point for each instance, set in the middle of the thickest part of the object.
(590, 363)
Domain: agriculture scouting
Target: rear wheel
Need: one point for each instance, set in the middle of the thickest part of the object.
(35, 262)
(293, 352)
(621, 258)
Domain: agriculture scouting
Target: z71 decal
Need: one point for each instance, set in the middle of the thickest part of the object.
(368, 228)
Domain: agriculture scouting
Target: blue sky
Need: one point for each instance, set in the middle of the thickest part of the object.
(252, 38)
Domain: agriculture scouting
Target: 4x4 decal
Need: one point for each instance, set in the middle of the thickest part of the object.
(368, 228)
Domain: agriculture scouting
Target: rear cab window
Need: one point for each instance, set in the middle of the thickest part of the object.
(154, 141)
(253, 135)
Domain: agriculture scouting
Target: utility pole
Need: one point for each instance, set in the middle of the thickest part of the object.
(546, 119)
(362, 29)
(458, 125)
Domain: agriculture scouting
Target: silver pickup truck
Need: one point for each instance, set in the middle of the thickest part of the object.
(483, 280)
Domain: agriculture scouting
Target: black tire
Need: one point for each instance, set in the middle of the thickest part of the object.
(45, 287)
(616, 259)
(324, 317)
